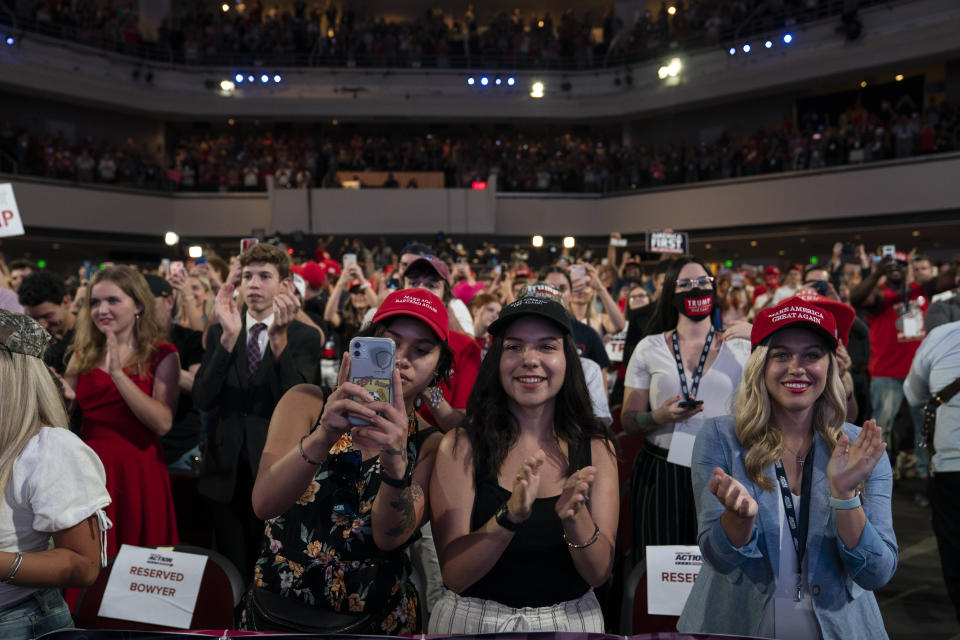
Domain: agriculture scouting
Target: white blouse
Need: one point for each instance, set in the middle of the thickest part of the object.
(653, 366)
(56, 482)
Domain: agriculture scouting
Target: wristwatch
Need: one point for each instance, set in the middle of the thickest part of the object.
(503, 519)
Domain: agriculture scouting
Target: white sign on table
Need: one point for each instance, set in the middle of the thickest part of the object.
(671, 572)
(153, 586)
(11, 224)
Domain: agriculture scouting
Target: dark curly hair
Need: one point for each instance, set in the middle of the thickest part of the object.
(40, 287)
(492, 429)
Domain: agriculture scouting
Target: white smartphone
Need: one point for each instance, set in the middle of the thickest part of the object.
(371, 367)
(349, 259)
(888, 250)
(247, 243)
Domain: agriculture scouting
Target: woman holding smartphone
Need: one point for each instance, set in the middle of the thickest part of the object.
(681, 373)
(342, 502)
(524, 497)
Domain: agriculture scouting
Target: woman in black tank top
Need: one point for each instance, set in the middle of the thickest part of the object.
(524, 498)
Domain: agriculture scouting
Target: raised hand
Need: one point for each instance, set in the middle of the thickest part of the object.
(526, 484)
(575, 493)
(851, 464)
(732, 495)
(113, 364)
(229, 315)
(285, 307)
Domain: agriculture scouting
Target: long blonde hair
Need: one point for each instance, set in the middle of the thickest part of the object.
(149, 329)
(754, 426)
(29, 400)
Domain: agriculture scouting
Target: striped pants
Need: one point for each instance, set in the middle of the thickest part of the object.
(454, 614)
(661, 496)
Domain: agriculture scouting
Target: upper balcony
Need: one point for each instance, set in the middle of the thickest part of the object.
(327, 84)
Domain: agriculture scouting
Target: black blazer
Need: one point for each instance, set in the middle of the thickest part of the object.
(244, 408)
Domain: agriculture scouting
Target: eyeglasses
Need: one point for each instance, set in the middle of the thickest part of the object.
(702, 282)
(639, 296)
(345, 467)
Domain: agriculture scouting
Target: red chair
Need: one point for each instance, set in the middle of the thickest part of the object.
(616, 426)
(221, 588)
(634, 618)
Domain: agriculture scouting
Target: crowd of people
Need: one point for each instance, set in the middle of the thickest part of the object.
(324, 34)
(395, 440)
(239, 158)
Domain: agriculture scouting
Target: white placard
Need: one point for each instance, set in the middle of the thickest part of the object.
(616, 344)
(681, 444)
(153, 586)
(671, 572)
(11, 224)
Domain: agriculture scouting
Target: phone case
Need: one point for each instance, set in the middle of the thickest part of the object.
(371, 367)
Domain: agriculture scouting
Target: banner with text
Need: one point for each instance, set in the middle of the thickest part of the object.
(671, 572)
(153, 586)
(674, 242)
(11, 224)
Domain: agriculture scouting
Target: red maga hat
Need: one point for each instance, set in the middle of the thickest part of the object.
(844, 314)
(794, 312)
(419, 304)
(312, 272)
(436, 263)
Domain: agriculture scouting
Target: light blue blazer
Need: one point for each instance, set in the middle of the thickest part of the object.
(735, 584)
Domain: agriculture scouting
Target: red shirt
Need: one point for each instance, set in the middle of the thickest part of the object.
(891, 351)
(463, 374)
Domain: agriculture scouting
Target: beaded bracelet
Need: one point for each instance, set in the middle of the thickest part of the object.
(574, 545)
(304, 455)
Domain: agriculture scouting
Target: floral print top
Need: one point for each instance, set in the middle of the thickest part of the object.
(328, 560)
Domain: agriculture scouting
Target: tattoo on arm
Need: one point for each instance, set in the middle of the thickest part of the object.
(397, 452)
(404, 506)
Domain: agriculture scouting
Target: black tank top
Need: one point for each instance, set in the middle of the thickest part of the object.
(535, 570)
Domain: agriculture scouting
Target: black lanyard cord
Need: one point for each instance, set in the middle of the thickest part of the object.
(691, 394)
(799, 525)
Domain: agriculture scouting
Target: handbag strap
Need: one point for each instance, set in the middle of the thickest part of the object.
(943, 396)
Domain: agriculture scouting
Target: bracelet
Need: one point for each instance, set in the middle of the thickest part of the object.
(645, 419)
(574, 545)
(502, 518)
(14, 567)
(849, 503)
(401, 483)
(304, 455)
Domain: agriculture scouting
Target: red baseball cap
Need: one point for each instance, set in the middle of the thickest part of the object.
(794, 312)
(332, 266)
(419, 304)
(312, 272)
(436, 263)
(844, 314)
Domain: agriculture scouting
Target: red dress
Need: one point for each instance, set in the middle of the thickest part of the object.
(137, 479)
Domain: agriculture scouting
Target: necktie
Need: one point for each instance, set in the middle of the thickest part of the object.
(253, 349)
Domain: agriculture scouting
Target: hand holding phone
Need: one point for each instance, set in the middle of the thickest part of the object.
(690, 404)
(371, 367)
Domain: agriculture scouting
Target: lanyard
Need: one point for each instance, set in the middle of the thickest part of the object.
(798, 525)
(692, 393)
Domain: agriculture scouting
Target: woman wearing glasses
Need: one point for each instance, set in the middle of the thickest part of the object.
(681, 373)
(341, 503)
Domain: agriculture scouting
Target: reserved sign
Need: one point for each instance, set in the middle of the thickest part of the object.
(671, 572)
(155, 586)
(667, 242)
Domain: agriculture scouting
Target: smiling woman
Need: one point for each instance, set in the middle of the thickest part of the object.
(793, 504)
(525, 558)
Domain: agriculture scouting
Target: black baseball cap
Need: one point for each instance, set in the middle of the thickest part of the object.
(159, 287)
(531, 306)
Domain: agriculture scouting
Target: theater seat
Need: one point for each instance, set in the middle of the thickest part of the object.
(634, 618)
(616, 426)
(221, 589)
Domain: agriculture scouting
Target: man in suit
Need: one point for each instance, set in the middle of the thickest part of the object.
(253, 356)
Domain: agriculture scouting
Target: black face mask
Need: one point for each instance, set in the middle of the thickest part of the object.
(696, 304)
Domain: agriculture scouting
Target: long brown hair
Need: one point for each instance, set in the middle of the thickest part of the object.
(89, 342)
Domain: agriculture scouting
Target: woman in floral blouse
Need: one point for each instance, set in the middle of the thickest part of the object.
(340, 502)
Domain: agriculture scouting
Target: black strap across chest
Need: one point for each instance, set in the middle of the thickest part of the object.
(691, 393)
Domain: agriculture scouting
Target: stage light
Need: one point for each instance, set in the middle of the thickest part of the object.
(498, 81)
(662, 73)
(277, 79)
(10, 40)
(768, 44)
(227, 86)
(171, 238)
(471, 81)
(814, 260)
(264, 78)
(863, 84)
(728, 264)
(674, 67)
(536, 90)
(238, 78)
(484, 81)
(537, 241)
(250, 78)
(898, 77)
(732, 51)
(672, 11)
(511, 81)
(40, 263)
(225, 7)
(746, 48)
(195, 251)
(787, 38)
(569, 242)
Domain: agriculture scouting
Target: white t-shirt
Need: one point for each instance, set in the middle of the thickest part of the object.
(597, 386)
(783, 617)
(653, 367)
(56, 483)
